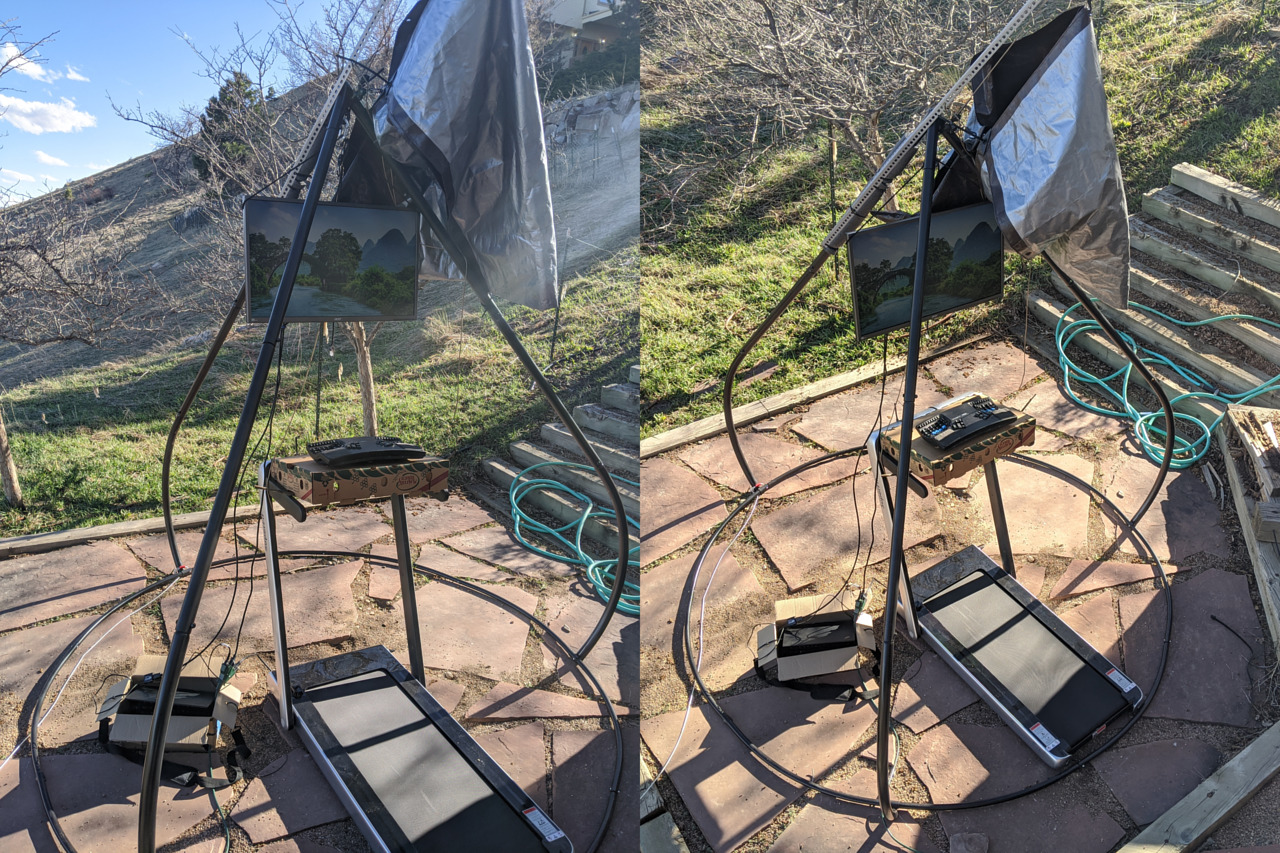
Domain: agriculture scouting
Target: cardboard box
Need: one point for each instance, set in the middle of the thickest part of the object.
(308, 480)
(936, 466)
(816, 610)
(193, 732)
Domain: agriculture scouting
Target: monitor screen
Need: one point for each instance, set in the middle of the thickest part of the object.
(360, 263)
(965, 267)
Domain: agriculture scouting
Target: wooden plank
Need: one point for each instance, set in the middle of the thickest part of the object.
(1165, 204)
(1224, 193)
(37, 543)
(749, 413)
(1261, 339)
(1204, 358)
(651, 803)
(1185, 827)
(661, 835)
(1048, 311)
(1157, 244)
(1264, 555)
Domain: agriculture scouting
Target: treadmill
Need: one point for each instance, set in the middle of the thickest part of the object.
(1041, 677)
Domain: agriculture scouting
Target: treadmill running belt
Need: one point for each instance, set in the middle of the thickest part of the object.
(428, 787)
(988, 627)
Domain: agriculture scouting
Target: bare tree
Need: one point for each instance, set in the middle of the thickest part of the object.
(65, 276)
(866, 68)
(246, 137)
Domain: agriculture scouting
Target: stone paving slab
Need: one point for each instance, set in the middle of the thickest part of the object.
(96, 799)
(1046, 513)
(447, 693)
(823, 532)
(428, 518)
(1030, 575)
(845, 420)
(459, 566)
(730, 795)
(996, 369)
(1149, 779)
(1095, 621)
(298, 845)
(512, 702)
(1207, 676)
(676, 506)
(521, 752)
(288, 796)
(318, 608)
(615, 659)
(25, 655)
(768, 457)
(662, 620)
(42, 586)
(929, 693)
(384, 584)
(831, 826)
(154, 550)
(345, 529)
(462, 632)
(959, 762)
(580, 778)
(496, 545)
(1184, 519)
(1026, 823)
(1083, 576)
(1054, 410)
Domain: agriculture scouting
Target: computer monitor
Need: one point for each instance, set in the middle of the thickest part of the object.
(965, 267)
(360, 262)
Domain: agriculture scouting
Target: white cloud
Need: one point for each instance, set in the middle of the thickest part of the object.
(97, 167)
(10, 55)
(73, 74)
(49, 159)
(50, 179)
(44, 116)
(11, 175)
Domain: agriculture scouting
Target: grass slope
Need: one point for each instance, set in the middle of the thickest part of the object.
(89, 442)
(1185, 83)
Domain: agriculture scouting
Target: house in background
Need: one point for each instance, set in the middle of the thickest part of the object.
(589, 24)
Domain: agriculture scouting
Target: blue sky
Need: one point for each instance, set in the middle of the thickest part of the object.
(57, 123)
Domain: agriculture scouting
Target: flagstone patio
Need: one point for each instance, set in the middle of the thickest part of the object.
(816, 535)
(530, 711)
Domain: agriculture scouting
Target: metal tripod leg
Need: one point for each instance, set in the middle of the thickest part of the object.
(284, 694)
(408, 595)
(997, 516)
(905, 601)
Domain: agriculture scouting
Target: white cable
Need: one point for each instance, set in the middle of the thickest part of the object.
(80, 660)
(702, 618)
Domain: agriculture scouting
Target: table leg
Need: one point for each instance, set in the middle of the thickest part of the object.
(284, 694)
(408, 596)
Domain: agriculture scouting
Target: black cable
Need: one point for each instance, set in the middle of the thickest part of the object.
(42, 687)
(804, 782)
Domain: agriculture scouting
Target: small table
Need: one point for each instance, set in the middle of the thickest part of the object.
(300, 478)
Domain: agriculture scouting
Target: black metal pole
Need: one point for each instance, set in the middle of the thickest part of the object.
(883, 719)
(226, 487)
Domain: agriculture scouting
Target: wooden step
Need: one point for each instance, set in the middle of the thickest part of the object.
(610, 422)
(1157, 244)
(623, 396)
(1168, 206)
(1224, 193)
(557, 506)
(1263, 340)
(1202, 357)
(633, 375)
(1049, 311)
(624, 460)
(526, 455)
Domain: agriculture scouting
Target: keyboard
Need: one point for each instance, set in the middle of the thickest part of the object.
(363, 450)
(965, 420)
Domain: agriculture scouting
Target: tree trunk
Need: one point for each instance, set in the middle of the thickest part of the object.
(8, 471)
(364, 364)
